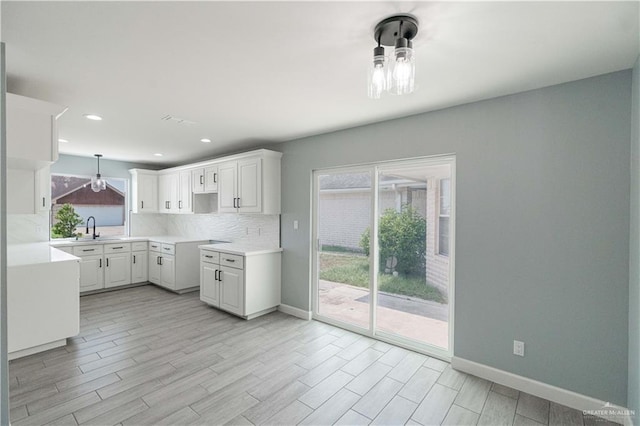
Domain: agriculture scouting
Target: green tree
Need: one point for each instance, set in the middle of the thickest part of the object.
(68, 220)
(401, 235)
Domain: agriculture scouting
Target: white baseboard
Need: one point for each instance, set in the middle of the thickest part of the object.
(558, 395)
(295, 312)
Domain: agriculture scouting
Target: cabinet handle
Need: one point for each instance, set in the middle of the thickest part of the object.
(180, 204)
(230, 260)
(215, 178)
(43, 201)
(88, 249)
(220, 271)
(169, 204)
(100, 263)
(201, 180)
(208, 256)
(107, 262)
(234, 203)
(157, 260)
(134, 259)
(118, 248)
(166, 248)
(238, 202)
(215, 275)
(142, 204)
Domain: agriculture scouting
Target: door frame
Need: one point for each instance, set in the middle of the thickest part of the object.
(374, 168)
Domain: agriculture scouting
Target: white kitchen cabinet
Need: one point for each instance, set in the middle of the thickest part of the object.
(32, 133)
(174, 266)
(139, 262)
(175, 192)
(43, 189)
(117, 270)
(168, 191)
(185, 193)
(28, 191)
(91, 273)
(250, 185)
(144, 191)
(205, 179)
(247, 286)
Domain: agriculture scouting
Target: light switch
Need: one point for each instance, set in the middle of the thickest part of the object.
(295, 225)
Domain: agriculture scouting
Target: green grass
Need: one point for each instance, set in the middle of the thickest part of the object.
(340, 249)
(353, 269)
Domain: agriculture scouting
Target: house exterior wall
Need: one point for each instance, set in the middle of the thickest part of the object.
(344, 216)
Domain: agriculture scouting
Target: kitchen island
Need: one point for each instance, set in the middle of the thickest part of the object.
(43, 298)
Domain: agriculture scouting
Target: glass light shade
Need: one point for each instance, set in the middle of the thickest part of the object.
(98, 184)
(403, 71)
(377, 77)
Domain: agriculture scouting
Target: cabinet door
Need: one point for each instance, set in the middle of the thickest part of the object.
(211, 179)
(209, 291)
(117, 270)
(43, 190)
(227, 187)
(139, 270)
(168, 272)
(232, 290)
(185, 194)
(250, 185)
(174, 192)
(91, 275)
(164, 193)
(197, 177)
(155, 270)
(147, 193)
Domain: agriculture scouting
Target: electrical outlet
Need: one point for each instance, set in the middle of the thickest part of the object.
(38, 229)
(518, 348)
(295, 225)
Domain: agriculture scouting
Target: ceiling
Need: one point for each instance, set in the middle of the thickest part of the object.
(252, 73)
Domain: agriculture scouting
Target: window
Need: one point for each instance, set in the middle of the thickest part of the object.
(108, 207)
(444, 212)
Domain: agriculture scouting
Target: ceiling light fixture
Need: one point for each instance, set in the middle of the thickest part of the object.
(97, 183)
(398, 77)
(93, 117)
(63, 141)
(205, 140)
(157, 154)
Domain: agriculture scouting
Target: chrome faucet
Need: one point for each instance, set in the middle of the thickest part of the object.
(94, 227)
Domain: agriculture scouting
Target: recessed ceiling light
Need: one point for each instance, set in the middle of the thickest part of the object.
(157, 154)
(205, 140)
(93, 117)
(63, 141)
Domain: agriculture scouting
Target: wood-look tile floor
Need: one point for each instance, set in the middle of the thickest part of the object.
(145, 356)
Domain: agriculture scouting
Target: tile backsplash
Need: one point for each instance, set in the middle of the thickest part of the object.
(27, 228)
(256, 228)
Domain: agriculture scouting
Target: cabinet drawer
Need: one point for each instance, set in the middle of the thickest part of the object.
(117, 247)
(139, 246)
(153, 246)
(169, 249)
(88, 250)
(232, 260)
(210, 256)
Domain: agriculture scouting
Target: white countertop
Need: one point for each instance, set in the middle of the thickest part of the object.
(166, 239)
(36, 253)
(243, 249)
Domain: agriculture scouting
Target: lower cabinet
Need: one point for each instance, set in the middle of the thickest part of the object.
(174, 266)
(117, 271)
(139, 269)
(91, 273)
(247, 286)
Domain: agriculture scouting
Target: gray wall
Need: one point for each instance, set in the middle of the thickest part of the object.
(87, 166)
(634, 251)
(542, 233)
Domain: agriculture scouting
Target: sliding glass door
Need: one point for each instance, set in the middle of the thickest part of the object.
(383, 257)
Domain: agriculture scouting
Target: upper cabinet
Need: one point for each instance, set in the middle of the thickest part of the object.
(144, 191)
(250, 183)
(205, 179)
(242, 183)
(32, 133)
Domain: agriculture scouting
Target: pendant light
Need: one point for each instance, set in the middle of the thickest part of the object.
(97, 183)
(399, 77)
